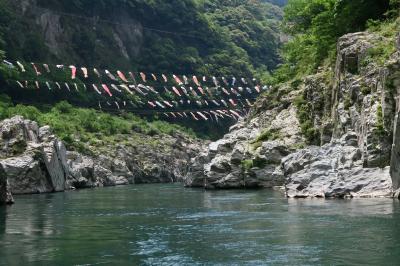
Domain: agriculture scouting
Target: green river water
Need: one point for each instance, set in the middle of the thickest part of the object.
(170, 225)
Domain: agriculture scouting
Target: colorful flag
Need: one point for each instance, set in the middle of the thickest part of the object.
(36, 69)
(215, 81)
(115, 88)
(152, 104)
(185, 79)
(202, 115)
(232, 102)
(196, 81)
(73, 72)
(194, 117)
(20, 84)
(96, 89)
(176, 91)
(48, 85)
(143, 76)
(97, 72)
(85, 72)
(105, 87)
(126, 88)
(177, 80)
(111, 76)
(160, 105)
(132, 77)
(21, 66)
(46, 66)
(122, 76)
(225, 91)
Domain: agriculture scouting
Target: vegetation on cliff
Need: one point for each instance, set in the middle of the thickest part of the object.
(316, 25)
(81, 127)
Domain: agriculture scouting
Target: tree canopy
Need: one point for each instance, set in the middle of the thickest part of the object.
(315, 26)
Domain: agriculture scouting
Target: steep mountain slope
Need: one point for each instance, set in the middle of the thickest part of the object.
(181, 36)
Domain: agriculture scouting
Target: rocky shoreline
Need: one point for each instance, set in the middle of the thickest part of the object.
(351, 115)
(33, 160)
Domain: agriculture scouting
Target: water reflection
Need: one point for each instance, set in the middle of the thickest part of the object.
(171, 225)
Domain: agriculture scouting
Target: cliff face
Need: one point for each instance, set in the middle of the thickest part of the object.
(350, 113)
(74, 39)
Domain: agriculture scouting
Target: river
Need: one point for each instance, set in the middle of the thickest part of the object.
(170, 225)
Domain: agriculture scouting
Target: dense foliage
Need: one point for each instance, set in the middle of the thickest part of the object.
(180, 36)
(79, 127)
(315, 26)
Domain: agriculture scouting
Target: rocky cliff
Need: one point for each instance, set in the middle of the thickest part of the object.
(332, 134)
(33, 160)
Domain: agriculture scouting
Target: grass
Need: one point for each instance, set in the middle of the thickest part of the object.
(383, 49)
(80, 127)
(306, 120)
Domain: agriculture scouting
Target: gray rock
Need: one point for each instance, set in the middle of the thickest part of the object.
(333, 170)
(35, 161)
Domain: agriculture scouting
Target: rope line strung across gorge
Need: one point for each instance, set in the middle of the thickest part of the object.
(119, 83)
(224, 106)
(114, 70)
(179, 108)
(162, 96)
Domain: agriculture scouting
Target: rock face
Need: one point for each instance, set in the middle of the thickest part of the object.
(164, 159)
(235, 161)
(351, 111)
(32, 158)
(334, 170)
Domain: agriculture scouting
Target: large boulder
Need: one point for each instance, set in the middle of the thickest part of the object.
(33, 159)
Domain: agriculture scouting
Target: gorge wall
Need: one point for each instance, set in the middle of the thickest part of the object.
(332, 134)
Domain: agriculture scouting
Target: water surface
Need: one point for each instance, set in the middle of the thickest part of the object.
(169, 225)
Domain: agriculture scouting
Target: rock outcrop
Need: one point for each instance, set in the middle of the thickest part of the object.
(161, 159)
(32, 158)
(334, 170)
(349, 113)
(240, 160)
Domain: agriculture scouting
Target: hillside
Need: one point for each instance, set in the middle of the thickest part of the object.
(183, 36)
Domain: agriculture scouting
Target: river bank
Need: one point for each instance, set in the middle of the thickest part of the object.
(34, 160)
